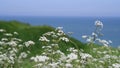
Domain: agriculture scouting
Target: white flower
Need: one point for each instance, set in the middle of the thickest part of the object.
(23, 55)
(28, 43)
(49, 33)
(60, 33)
(16, 39)
(64, 39)
(72, 56)
(109, 41)
(44, 39)
(40, 58)
(63, 57)
(2, 30)
(11, 59)
(104, 42)
(98, 24)
(15, 50)
(49, 47)
(16, 33)
(54, 36)
(85, 56)
(8, 34)
(107, 56)
(94, 34)
(89, 40)
(53, 65)
(37, 65)
(4, 39)
(116, 65)
(84, 36)
(68, 65)
(12, 43)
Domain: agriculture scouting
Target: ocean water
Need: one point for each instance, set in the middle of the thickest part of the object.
(78, 25)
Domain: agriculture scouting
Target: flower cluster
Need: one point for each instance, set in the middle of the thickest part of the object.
(95, 37)
(29, 43)
(11, 49)
(98, 24)
(54, 36)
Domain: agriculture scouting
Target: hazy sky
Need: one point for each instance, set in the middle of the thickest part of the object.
(60, 7)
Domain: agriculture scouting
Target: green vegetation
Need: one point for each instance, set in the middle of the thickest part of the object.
(89, 56)
(27, 32)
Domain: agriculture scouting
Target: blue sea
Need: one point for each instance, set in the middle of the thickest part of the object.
(78, 25)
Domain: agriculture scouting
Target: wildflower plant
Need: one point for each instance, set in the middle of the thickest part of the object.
(95, 37)
(51, 50)
(11, 50)
(51, 40)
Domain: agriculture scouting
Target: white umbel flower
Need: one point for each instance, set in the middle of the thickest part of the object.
(64, 39)
(98, 24)
(44, 39)
(72, 56)
(84, 36)
(28, 43)
(40, 58)
(68, 65)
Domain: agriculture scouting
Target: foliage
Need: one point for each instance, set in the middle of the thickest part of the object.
(26, 46)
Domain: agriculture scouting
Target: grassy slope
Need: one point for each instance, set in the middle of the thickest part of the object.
(28, 32)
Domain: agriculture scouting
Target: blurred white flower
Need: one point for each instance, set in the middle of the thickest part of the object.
(23, 55)
(37, 65)
(109, 41)
(116, 65)
(107, 56)
(104, 42)
(68, 65)
(94, 34)
(16, 33)
(85, 56)
(72, 56)
(44, 39)
(53, 65)
(11, 60)
(40, 58)
(98, 24)
(89, 40)
(64, 39)
(84, 36)
(4, 39)
(60, 33)
(8, 34)
(16, 39)
(49, 33)
(29, 43)
(12, 43)
(2, 30)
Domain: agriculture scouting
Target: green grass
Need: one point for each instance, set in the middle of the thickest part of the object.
(28, 32)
